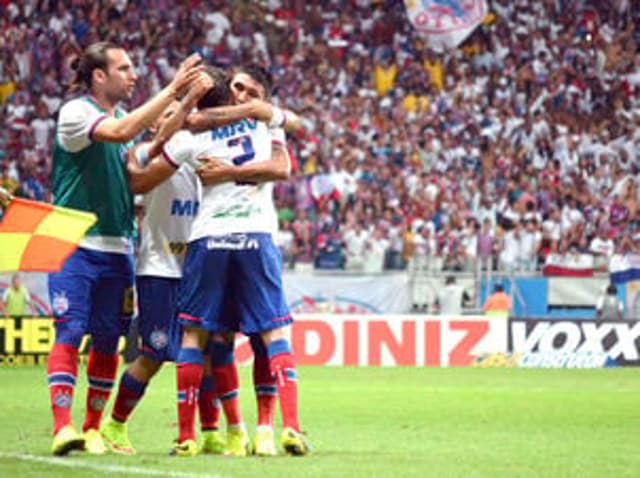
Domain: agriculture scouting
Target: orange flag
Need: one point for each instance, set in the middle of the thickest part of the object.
(36, 236)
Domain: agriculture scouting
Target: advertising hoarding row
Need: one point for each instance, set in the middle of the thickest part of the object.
(405, 340)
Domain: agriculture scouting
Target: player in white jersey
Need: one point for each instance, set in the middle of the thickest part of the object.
(165, 228)
(234, 278)
(169, 210)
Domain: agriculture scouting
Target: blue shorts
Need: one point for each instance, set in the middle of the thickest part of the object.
(93, 293)
(233, 283)
(157, 326)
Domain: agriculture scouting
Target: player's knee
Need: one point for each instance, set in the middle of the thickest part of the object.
(144, 368)
(273, 335)
(71, 337)
(257, 345)
(106, 344)
(221, 353)
(193, 337)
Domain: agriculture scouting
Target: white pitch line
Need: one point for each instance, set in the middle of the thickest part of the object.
(82, 464)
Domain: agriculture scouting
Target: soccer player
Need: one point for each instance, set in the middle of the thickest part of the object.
(225, 372)
(170, 206)
(92, 293)
(165, 226)
(233, 271)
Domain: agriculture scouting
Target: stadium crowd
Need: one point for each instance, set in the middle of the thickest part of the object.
(517, 149)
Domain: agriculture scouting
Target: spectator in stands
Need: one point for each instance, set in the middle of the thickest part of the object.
(451, 298)
(558, 123)
(286, 244)
(608, 305)
(355, 247)
(486, 246)
(529, 244)
(602, 248)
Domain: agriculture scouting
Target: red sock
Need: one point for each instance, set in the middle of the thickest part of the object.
(283, 368)
(189, 376)
(62, 370)
(101, 372)
(264, 384)
(130, 392)
(226, 379)
(208, 405)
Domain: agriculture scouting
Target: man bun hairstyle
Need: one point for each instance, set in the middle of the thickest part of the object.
(94, 56)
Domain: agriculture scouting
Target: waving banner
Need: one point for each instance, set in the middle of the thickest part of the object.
(445, 23)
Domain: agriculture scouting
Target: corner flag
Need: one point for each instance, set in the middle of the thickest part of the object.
(36, 236)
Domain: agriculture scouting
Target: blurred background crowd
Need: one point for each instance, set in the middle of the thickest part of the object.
(516, 150)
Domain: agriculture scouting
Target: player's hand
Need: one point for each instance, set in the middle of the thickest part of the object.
(197, 89)
(213, 171)
(186, 74)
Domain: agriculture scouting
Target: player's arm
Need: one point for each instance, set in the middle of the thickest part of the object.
(122, 130)
(145, 174)
(277, 168)
(175, 117)
(148, 164)
(3, 303)
(209, 118)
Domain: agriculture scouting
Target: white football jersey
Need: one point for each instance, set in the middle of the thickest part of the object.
(230, 207)
(170, 209)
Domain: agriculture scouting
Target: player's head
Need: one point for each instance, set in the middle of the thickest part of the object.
(105, 69)
(498, 288)
(250, 82)
(219, 94)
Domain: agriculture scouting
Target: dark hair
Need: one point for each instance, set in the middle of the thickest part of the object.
(450, 280)
(219, 94)
(611, 289)
(498, 288)
(94, 56)
(260, 74)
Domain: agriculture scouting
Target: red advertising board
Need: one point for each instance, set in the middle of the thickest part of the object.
(391, 340)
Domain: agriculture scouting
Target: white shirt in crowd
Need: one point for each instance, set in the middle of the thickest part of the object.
(601, 246)
(450, 299)
(528, 244)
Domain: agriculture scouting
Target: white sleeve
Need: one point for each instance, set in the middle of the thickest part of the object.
(77, 121)
(5, 296)
(278, 137)
(142, 154)
(179, 149)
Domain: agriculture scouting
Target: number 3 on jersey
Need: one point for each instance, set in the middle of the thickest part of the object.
(248, 153)
(246, 144)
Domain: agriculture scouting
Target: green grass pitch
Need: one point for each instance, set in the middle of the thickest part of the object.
(370, 422)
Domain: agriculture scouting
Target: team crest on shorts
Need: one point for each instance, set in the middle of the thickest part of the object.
(159, 339)
(60, 303)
